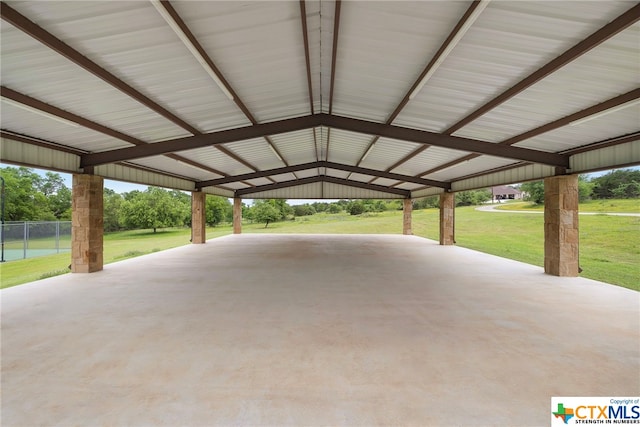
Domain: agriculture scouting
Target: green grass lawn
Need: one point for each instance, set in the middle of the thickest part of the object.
(609, 248)
(610, 205)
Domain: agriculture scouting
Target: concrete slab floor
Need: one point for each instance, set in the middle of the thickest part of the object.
(273, 330)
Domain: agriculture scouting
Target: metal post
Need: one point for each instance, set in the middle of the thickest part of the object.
(2, 218)
(25, 239)
(58, 237)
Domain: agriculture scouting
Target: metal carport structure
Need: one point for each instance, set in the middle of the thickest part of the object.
(316, 99)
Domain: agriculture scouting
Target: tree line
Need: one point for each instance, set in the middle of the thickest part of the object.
(31, 197)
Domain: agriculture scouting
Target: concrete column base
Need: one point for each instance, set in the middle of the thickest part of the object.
(407, 208)
(237, 215)
(447, 218)
(561, 232)
(198, 217)
(87, 224)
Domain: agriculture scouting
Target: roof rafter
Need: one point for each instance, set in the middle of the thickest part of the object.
(334, 56)
(322, 164)
(307, 59)
(322, 178)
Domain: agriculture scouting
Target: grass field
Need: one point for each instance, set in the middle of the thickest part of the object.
(609, 245)
(611, 205)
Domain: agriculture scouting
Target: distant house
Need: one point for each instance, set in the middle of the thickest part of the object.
(504, 192)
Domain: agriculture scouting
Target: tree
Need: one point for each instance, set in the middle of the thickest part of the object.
(356, 207)
(154, 208)
(23, 200)
(534, 191)
(60, 203)
(218, 210)
(472, 197)
(266, 212)
(112, 203)
(618, 183)
(303, 210)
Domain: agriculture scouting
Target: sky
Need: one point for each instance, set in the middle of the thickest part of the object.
(125, 187)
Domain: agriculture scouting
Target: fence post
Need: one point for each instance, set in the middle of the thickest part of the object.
(25, 239)
(57, 237)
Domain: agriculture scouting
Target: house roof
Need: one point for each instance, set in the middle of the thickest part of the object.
(504, 189)
(321, 99)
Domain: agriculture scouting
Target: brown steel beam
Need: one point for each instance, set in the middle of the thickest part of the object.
(448, 141)
(345, 123)
(334, 56)
(384, 174)
(322, 164)
(205, 140)
(307, 59)
(255, 175)
(322, 178)
(622, 22)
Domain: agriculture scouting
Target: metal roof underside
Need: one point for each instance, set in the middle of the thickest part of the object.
(321, 99)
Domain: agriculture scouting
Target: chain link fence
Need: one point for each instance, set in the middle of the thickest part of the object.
(28, 239)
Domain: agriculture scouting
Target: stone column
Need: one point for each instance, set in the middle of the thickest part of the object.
(447, 218)
(407, 207)
(86, 224)
(237, 215)
(561, 237)
(198, 217)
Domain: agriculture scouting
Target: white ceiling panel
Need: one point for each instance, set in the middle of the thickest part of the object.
(597, 76)
(386, 152)
(509, 41)
(258, 48)
(296, 147)
(18, 120)
(256, 151)
(347, 147)
(216, 159)
(428, 159)
(469, 167)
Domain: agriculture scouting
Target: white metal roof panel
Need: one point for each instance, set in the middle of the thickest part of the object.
(296, 147)
(428, 159)
(469, 167)
(257, 47)
(172, 166)
(133, 40)
(15, 119)
(370, 84)
(338, 191)
(256, 151)
(31, 68)
(215, 159)
(598, 129)
(386, 152)
(305, 191)
(347, 147)
(606, 71)
(509, 41)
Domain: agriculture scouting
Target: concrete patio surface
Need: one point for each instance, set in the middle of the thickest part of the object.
(289, 330)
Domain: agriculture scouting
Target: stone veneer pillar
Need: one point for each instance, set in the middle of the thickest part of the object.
(198, 217)
(407, 207)
(561, 237)
(237, 215)
(86, 224)
(447, 218)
